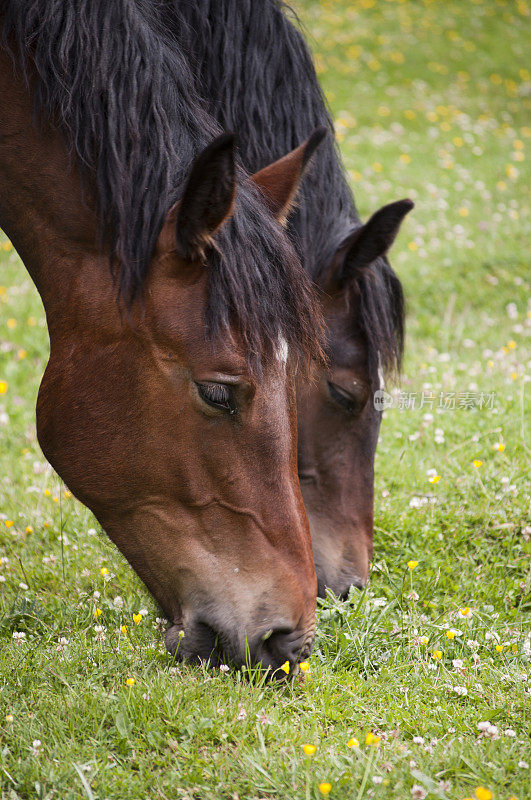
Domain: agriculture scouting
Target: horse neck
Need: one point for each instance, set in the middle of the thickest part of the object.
(41, 198)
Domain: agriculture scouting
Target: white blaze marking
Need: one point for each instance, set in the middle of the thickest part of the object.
(282, 351)
(380, 373)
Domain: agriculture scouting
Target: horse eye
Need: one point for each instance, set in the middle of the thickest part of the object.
(217, 395)
(345, 399)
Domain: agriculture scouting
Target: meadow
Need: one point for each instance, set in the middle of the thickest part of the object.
(419, 686)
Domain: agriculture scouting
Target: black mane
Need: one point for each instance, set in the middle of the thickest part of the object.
(122, 92)
(256, 73)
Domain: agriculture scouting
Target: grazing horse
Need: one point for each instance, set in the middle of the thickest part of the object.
(256, 76)
(176, 307)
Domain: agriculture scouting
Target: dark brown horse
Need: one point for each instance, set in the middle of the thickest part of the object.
(255, 74)
(168, 402)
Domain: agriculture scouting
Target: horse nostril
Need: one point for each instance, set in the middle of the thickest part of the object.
(282, 646)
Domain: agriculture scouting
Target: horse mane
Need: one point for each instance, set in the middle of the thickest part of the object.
(255, 70)
(121, 91)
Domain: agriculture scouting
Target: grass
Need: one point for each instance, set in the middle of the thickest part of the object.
(432, 102)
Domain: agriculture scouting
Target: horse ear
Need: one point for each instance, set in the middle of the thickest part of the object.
(368, 242)
(278, 182)
(206, 203)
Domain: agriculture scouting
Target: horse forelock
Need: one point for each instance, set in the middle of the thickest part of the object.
(124, 96)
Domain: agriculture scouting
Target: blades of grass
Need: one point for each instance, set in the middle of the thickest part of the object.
(84, 782)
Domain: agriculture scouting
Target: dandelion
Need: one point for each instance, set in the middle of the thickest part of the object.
(304, 666)
(412, 564)
(450, 634)
(353, 742)
(498, 648)
(437, 654)
(137, 619)
(325, 788)
(371, 738)
(483, 794)
(477, 463)
(130, 681)
(309, 749)
(104, 571)
(285, 667)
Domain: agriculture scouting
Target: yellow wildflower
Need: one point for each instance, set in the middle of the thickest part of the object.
(137, 619)
(309, 749)
(285, 667)
(3, 387)
(98, 612)
(130, 681)
(304, 666)
(8, 523)
(450, 634)
(29, 529)
(412, 564)
(104, 571)
(371, 738)
(325, 788)
(477, 463)
(483, 794)
(498, 648)
(353, 742)
(500, 447)
(465, 612)
(435, 479)
(123, 629)
(437, 654)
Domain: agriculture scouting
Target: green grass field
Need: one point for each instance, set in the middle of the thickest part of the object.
(420, 686)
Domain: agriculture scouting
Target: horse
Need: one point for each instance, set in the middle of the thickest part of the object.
(177, 310)
(256, 75)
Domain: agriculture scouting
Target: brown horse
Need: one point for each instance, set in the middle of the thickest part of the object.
(255, 75)
(168, 402)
